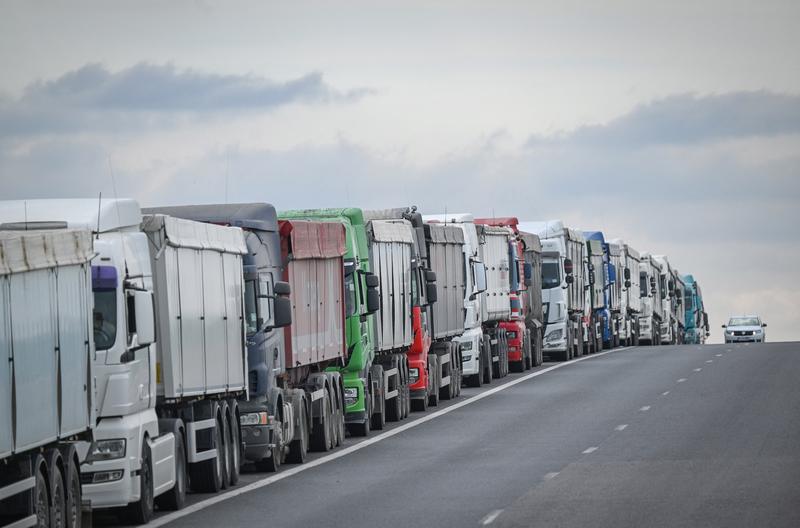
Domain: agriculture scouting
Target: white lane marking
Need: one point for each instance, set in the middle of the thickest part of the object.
(698, 369)
(201, 505)
(718, 355)
(681, 380)
(665, 393)
(621, 427)
(709, 361)
(645, 408)
(489, 519)
(589, 450)
(551, 476)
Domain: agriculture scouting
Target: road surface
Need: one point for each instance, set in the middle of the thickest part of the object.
(647, 436)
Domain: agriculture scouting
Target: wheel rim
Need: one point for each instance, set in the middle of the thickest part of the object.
(74, 504)
(58, 501)
(147, 485)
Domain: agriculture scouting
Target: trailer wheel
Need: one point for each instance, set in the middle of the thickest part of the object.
(456, 368)
(434, 378)
(486, 351)
(236, 446)
(379, 417)
(141, 511)
(298, 448)
(73, 480)
(206, 476)
(41, 493)
(175, 499)
(406, 387)
(58, 498)
(394, 412)
(321, 434)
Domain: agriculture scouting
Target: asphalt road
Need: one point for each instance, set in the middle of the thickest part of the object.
(653, 436)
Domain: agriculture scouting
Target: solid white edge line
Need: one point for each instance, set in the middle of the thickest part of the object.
(489, 519)
(589, 450)
(621, 427)
(665, 393)
(551, 476)
(681, 380)
(698, 369)
(168, 518)
(645, 408)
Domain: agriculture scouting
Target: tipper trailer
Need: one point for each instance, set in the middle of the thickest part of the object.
(47, 364)
(696, 318)
(600, 315)
(533, 308)
(630, 292)
(564, 278)
(476, 354)
(615, 287)
(167, 410)
(364, 377)
(678, 308)
(669, 323)
(652, 294)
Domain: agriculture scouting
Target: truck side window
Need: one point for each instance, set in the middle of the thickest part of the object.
(250, 304)
(105, 319)
(350, 294)
(265, 294)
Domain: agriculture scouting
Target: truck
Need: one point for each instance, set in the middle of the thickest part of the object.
(367, 382)
(600, 330)
(533, 309)
(652, 294)
(295, 400)
(696, 318)
(476, 353)
(499, 262)
(167, 408)
(564, 279)
(629, 288)
(678, 308)
(669, 324)
(521, 346)
(409, 290)
(47, 364)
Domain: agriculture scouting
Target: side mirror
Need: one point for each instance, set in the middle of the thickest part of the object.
(627, 283)
(373, 293)
(431, 292)
(281, 288)
(479, 271)
(671, 285)
(763, 325)
(282, 303)
(430, 276)
(568, 267)
(627, 275)
(569, 279)
(145, 317)
(528, 273)
(724, 326)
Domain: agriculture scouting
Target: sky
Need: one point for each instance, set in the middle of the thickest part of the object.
(672, 125)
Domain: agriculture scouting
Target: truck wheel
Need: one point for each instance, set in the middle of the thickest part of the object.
(206, 476)
(298, 448)
(394, 411)
(141, 511)
(236, 446)
(58, 498)
(175, 499)
(435, 376)
(73, 480)
(379, 416)
(41, 493)
(225, 448)
(272, 463)
(486, 352)
(321, 434)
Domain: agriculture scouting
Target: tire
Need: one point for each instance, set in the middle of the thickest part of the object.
(272, 463)
(141, 511)
(58, 493)
(236, 446)
(74, 492)
(222, 425)
(486, 351)
(206, 476)
(321, 434)
(41, 493)
(379, 417)
(434, 372)
(298, 447)
(175, 499)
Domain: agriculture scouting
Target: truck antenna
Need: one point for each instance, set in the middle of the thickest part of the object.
(99, 201)
(25, 205)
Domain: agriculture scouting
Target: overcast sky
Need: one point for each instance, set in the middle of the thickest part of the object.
(673, 125)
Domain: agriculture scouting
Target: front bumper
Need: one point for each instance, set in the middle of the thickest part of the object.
(258, 441)
(756, 338)
(558, 345)
(472, 365)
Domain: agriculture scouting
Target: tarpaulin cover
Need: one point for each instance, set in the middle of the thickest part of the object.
(22, 251)
(314, 239)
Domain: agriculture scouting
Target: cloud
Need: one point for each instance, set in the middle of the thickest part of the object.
(94, 98)
(690, 119)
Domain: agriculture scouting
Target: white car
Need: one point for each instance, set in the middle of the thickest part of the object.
(745, 328)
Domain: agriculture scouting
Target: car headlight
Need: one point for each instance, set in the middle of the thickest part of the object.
(107, 450)
(758, 331)
(413, 374)
(466, 345)
(256, 418)
(555, 335)
(728, 332)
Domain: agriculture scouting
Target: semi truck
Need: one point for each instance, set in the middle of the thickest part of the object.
(296, 393)
(563, 287)
(47, 364)
(652, 294)
(167, 409)
(366, 381)
(495, 252)
(476, 353)
(696, 318)
(600, 331)
(678, 308)
(533, 309)
(629, 287)
(616, 280)
(519, 336)
(669, 323)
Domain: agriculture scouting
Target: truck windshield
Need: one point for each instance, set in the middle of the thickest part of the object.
(550, 275)
(250, 306)
(105, 319)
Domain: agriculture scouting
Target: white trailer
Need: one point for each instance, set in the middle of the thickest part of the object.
(669, 322)
(628, 281)
(497, 305)
(476, 362)
(564, 281)
(652, 313)
(47, 398)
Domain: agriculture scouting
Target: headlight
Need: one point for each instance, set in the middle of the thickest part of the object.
(350, 392)
(511, 335)
(758, 331)
(466, 345)
(728, 332)
(555, 335)
(466, 358)
(107, 450)
(256, 418)
(413, 374)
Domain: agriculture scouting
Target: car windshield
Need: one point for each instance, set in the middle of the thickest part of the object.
(744, 321)
(550, 275)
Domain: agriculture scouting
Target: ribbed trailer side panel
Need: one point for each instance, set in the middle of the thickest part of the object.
(533, 292)
(390, 254)
(495, 257)
(616, 275)
(197, 269)
(45, 347)
(446, 254)
(634, 292)
(576, 252)
(595, 255)
(315, 273)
